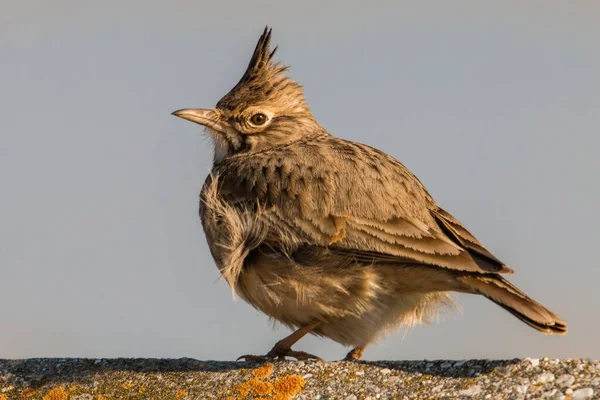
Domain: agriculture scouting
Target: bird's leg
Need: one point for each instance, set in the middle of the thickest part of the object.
(283, 347)
(355, 354)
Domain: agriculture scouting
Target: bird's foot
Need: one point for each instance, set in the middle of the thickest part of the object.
(355, 354)
(279, 352)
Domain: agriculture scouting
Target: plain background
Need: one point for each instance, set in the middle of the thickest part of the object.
(494, 105)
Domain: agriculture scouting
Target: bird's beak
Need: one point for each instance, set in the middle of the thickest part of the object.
(203, 116)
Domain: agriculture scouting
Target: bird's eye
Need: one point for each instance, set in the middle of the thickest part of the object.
(258, 119)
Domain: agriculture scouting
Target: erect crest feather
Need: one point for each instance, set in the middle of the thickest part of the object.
(262, 56)
(262, 80)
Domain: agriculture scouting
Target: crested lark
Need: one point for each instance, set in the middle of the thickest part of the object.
(328, 236)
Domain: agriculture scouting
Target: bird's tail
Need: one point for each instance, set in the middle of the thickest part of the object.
(509, 297)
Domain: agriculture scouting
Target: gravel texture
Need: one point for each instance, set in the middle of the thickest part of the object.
(104, 379)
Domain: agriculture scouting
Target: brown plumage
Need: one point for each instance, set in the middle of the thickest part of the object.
(330, 236)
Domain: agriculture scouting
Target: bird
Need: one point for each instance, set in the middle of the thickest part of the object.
(328, 236)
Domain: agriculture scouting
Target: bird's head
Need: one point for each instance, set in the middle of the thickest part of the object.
(265, 109)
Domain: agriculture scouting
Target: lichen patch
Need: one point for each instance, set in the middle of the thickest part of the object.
(58, 393)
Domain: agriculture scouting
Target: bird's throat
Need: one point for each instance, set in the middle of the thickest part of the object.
(221, 147)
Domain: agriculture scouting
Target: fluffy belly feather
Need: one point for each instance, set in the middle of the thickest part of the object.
(356, 303)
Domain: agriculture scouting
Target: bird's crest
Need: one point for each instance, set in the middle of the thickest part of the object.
(260, 62)
(262, 80)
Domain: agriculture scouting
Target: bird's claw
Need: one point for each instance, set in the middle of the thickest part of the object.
(355, 354)
(250, 357)
(280, 355)
(299, 355)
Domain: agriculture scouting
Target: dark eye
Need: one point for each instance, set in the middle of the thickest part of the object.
(258, 119)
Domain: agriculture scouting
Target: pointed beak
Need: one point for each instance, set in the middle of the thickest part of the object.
(203, 116)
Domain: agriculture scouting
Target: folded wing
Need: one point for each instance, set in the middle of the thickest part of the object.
(360, 201)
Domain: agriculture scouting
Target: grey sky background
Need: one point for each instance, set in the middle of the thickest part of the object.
(494, 105)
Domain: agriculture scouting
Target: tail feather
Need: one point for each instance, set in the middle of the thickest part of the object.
(509, 297)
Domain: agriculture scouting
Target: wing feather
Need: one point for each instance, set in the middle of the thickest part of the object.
(353, 199)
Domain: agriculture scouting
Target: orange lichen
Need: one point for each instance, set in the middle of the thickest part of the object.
(142, 390)
(180, 394)
(258, 388)
(264, 371)
(58, 393)
(28, 392)
(3, 396)
(255, 387)
(127, 385)
(242, 389)
(289, 386)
